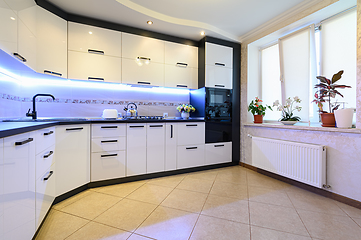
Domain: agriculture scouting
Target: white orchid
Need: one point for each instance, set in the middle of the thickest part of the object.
(287, 109)
(276, 103)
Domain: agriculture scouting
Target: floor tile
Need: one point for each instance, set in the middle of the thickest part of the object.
(150, 193)
(71, 200)
(206, 175)
(225, 189)
(126, 214)
(256, 179)
(351, 211)
(235, 177)
(215, 229)
(138, 237)
(91, 206)
(168, 224)
(327, 226)
(95, 231)
(227, 208)
(358, 221)
(268, 195)
(59, 225)
(259, 233)
(185, 200)
(277, 218)
(171, 181)
(197, 185)
(120, 190)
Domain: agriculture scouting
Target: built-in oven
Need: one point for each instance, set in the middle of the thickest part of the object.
(218, 104)
(218, 131)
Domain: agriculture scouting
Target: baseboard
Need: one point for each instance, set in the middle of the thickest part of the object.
(322, 192)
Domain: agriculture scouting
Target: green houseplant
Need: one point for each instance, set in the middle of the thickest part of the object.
(258, 110)
(327, 89)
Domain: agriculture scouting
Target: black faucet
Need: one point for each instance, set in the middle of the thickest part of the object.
(33, 113)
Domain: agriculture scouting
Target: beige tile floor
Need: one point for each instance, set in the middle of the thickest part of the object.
(228, 203)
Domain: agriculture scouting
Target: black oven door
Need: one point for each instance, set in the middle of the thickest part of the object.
(218, 104)
(217, 131)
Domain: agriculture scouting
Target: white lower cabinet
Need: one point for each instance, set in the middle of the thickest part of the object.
(72, 157)
(136, 149)
(190, 156)
(155, 147)
(191, 133)
(107, 165)
(218, 153)
(19, 187)
(170, 146)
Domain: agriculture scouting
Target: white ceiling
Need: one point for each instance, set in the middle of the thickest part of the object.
(232, 20)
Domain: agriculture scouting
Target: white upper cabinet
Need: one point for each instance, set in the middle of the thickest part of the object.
(219, 77)
(219, 55)
(94, 40)
(135, 46)
(51, 44)
(144, 74)
(8, 28)
(176, 53)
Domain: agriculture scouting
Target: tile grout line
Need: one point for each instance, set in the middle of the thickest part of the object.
(249, 209)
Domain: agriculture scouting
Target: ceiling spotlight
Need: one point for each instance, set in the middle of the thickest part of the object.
(12, 18)
(149, 22)
(203, 33)
(90, 32)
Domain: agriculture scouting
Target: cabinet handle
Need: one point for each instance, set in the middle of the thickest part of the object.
(182, 64)
(143, 58)
(95, 51)
(48, 155)
(47, 177)
(185, 86)
(24, 142)
(73, 129)
(219, 85)
(109, 141)
(109, 127)
(191, 148)
(109, 155)
(136, 126)
(18, 56)
(220, 64)
(53, 73)
(48, 133)
(147, 83)
(155, 125)
(191, 125)
(95, 79)
(221, 145)
(171, 131)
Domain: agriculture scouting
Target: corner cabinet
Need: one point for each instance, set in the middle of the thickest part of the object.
(72, 157)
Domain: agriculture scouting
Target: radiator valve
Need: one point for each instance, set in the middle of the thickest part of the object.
(326, 186)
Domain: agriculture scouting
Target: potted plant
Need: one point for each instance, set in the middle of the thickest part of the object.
(287, 110)
(185, 109)
(258, 110)
(327, 89)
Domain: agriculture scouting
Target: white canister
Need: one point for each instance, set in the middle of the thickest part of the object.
(344, 117)
(110, 113)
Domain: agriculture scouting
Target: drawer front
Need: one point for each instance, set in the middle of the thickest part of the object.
(108, 144)
(190, 156)
(109, 130)
(44, 138)
(191, 133)
(107, 165)
(45, 193)
(44, 160)
(218, 153)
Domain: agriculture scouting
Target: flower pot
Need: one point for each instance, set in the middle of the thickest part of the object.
(288, 122)
(258, 118)
(185, 115)
(328, 120)
(344, 117)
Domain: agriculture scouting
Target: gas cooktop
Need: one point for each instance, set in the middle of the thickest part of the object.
(147, 118)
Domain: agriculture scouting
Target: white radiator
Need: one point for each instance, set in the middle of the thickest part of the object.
(299, 161)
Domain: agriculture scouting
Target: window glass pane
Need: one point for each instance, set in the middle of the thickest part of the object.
(271, 85)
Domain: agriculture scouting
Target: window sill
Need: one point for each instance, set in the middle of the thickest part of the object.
(304, 126)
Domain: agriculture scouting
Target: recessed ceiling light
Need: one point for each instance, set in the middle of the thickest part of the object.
(12, 18)
(149, 22)
(90, 32)
(203, 33)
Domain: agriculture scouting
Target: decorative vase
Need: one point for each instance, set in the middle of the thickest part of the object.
(328, 120)
(185, 115)
(258, 118)
(344, 117)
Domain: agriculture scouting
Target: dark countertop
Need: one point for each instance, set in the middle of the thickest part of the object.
(16, 126)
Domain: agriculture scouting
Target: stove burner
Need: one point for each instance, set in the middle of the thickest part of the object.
(150, 117)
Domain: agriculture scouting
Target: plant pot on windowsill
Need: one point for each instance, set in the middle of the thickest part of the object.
(258, 118)
(328, 120)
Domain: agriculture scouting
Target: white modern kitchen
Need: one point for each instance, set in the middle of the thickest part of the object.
(126, 120)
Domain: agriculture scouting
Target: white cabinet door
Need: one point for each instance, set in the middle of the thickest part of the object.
(181, 54)
(72, 156)
(170, 146)
(179, 76)
(148, 74)
(219, 55)
(136, 149)
(19, 187)
(85, 38)
(107, 165)
(1, 188)
(108, 144)
(52, 51)
(44, 160)
(8, 28)
(219, 77)
(218, 153)
(109, 130)
(86, 66)
(44, 138)
(155, 147)
(190, 156)
(134, 46)
(190, 133)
